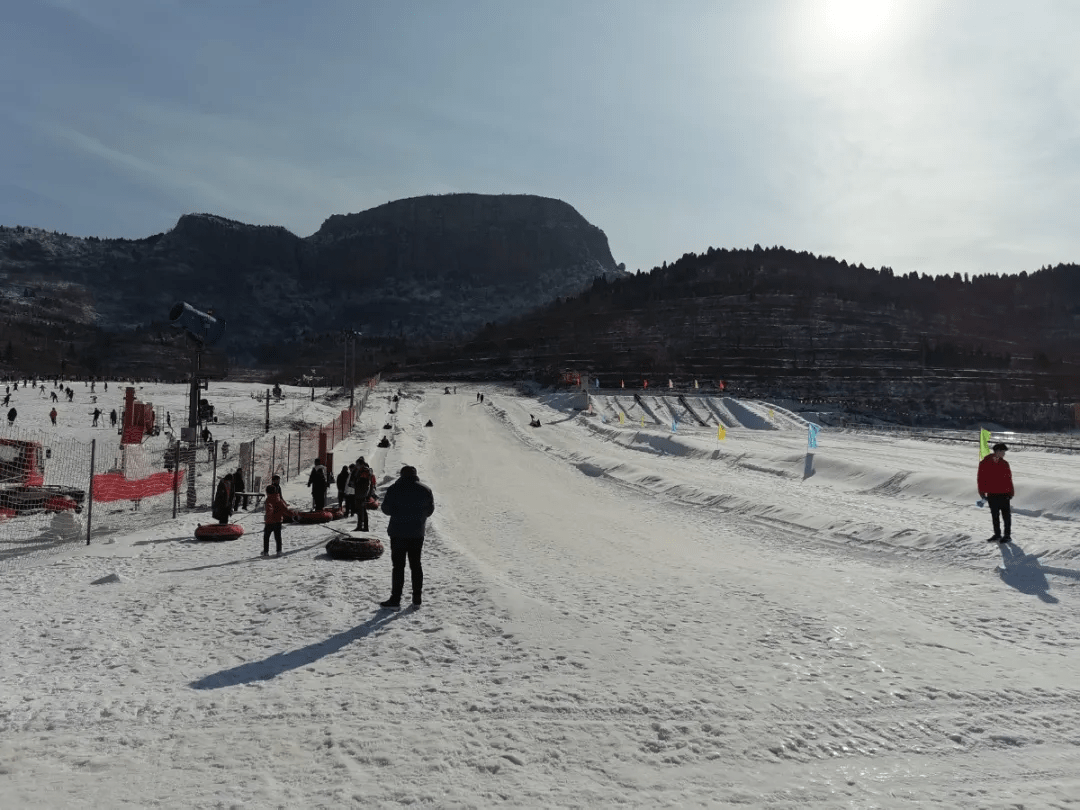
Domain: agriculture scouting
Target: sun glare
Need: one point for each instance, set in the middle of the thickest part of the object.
(856, 22)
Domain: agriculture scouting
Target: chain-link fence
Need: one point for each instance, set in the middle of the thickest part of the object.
(55, 492)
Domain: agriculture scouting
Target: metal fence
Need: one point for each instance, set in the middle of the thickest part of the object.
(1061, 442)
(57, 492)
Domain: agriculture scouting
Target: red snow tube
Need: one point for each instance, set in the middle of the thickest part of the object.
(219, 531)
(322, 516)
(337, 512)
(362, 548)
(371, 503)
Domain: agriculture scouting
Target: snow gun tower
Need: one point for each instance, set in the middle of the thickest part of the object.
(204, 330)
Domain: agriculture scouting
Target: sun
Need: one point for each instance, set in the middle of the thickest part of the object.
(856, 22)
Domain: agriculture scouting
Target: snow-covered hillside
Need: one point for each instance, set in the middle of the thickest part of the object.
(614, 616)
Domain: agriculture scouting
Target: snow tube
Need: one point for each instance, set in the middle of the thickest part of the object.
(322, 516)
(371, 503)
(338, 512)
(362, 548)
(219, 531)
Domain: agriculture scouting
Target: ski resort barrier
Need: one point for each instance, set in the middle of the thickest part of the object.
(1060, 442)
(57, 492)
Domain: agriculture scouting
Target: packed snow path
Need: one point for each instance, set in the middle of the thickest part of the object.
(611, 618)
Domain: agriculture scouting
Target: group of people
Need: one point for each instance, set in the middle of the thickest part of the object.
(355, 486)
(407, 502)
(230, 495)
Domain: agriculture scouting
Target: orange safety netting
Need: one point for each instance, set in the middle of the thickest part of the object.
(114, 487)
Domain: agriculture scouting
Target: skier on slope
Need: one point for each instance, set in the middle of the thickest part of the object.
(996, 488)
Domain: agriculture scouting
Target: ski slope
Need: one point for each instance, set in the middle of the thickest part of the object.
(614, 616)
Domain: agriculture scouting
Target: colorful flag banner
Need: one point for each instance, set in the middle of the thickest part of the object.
(811, 434)
(984, 443)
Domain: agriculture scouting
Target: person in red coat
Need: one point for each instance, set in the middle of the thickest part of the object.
(276, 512)
(996, 488)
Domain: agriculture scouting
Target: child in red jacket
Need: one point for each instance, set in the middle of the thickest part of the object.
(996, 487)
(276, 512)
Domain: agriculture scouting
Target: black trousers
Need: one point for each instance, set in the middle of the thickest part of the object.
(999, 508)
(402, 548)
(274, 529)
(361, 518)
(318, 497)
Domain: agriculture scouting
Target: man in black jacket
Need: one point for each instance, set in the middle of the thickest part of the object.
(409, 504)
(319, 483)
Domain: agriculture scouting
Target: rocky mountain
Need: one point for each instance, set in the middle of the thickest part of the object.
(785, 324)
(426, 267)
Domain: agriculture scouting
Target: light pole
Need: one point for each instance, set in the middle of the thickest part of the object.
(349, 336)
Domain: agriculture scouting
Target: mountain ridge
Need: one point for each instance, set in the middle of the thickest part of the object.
(423, 267)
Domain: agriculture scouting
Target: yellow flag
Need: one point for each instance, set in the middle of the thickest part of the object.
(720, 432)
(984, 443)
(770, 413)
(622, 417)
(643, 420)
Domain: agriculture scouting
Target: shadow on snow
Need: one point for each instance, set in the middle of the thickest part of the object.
(279, 663)
(1025, 573)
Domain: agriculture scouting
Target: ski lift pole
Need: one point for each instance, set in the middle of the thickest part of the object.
(90, 492)
(213, 477)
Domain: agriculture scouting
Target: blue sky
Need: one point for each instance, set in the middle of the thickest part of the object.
(927, 135)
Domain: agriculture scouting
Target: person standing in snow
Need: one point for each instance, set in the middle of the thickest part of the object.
(361, 486)
(11, 415)
(238, 487)
(97, 415)
(342, 482)
(996, 488)
(223, 500)
(52, 415)
(318, 483)
(276, 512)
(409, 504)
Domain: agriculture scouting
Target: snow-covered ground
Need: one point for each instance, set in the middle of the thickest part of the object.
(614, 616)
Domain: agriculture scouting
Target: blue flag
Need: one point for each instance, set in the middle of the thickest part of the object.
(811, 434)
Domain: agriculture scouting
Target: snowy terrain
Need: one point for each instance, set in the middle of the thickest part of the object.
(614, 616)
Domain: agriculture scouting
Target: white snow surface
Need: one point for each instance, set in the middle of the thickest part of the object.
(613, 617)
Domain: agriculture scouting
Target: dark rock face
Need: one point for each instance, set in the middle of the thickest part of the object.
(421, 267)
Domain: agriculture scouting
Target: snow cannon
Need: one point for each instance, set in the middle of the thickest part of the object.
(204, 328)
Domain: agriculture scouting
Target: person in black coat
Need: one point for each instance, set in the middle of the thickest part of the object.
(409, 504)
(361, 485)
(223, 500)
(238, 487)
(342, 482)
(319, 484)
